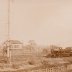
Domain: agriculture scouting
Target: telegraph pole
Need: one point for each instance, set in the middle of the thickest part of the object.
(8, 46)
(8, 26)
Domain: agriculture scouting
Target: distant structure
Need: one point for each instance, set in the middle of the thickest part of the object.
(13, 44)
(14, 48)
(30, 48)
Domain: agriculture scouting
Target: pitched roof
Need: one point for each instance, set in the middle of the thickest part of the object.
(13, 42)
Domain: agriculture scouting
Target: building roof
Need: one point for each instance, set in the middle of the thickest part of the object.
(13, 42)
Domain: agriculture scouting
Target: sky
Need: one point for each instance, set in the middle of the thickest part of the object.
(45, 21)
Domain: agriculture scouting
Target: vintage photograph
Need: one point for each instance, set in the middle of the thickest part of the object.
(35, 36)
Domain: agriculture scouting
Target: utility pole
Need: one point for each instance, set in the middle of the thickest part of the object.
(8, 45)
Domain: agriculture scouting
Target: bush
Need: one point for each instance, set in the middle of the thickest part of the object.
(15, 66)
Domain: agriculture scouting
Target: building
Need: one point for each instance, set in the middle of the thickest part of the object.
(12, 49)
(28, 50)
(13, 44)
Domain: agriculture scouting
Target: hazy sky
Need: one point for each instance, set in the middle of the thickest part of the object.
(45, 21)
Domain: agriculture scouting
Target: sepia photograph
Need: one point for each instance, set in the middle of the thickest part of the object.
(35, 36)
